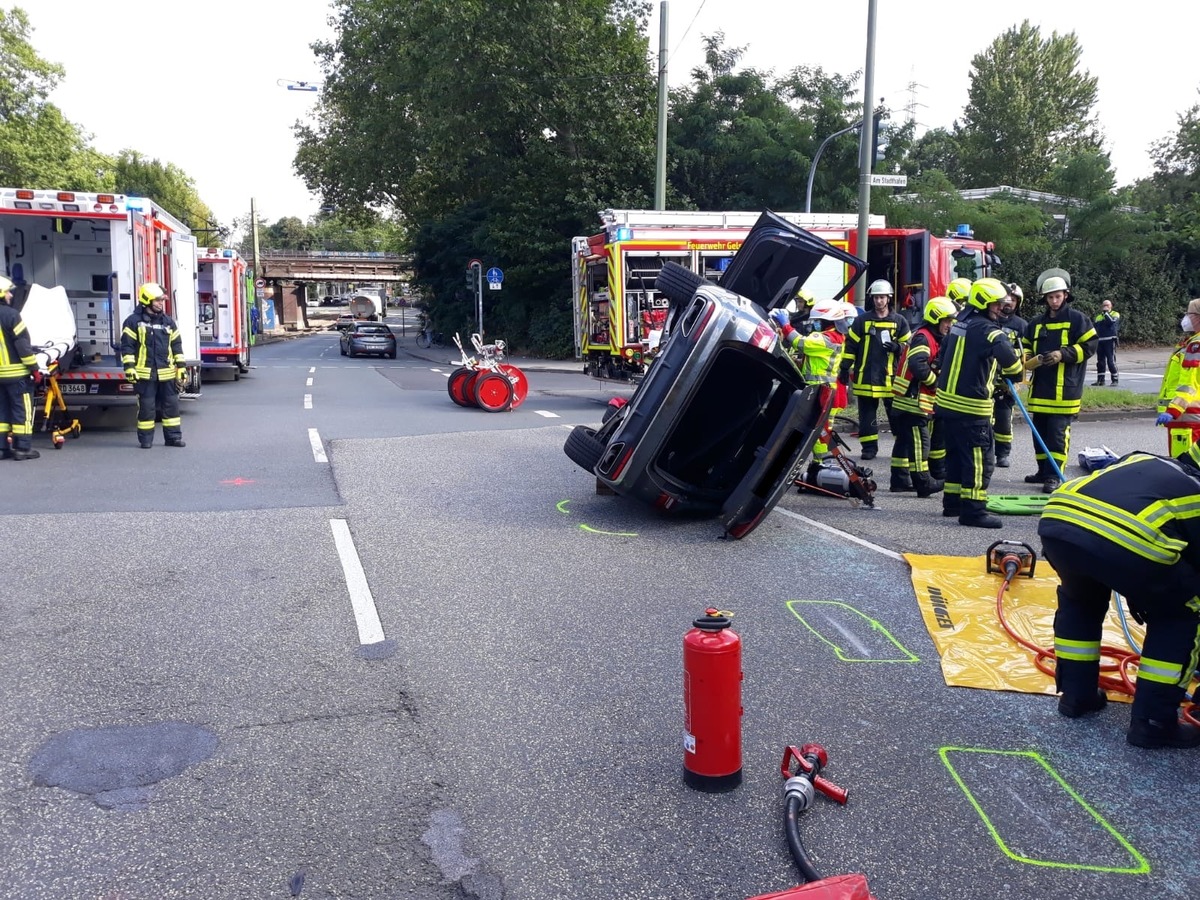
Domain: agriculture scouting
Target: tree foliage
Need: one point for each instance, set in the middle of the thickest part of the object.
(1029, 110)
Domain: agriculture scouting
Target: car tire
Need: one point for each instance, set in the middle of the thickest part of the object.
(584, 448)
(493, 392)
(343, 351)
(392, 355)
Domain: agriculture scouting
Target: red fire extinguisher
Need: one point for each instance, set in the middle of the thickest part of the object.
(712, 704)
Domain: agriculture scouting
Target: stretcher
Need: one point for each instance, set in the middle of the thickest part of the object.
(50, 322)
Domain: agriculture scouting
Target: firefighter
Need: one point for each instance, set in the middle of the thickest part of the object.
(1014, 327)
(819, 354)
(800, 311)
(957, 291)
(1179, 392)
(869, 362)
(152, 354)
(914, 388)
(1108, 326)
(967, 362)
(1129, 528)
(1058, 343)
(18, 371)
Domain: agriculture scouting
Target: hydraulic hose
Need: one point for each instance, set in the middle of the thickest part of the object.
(791, 823)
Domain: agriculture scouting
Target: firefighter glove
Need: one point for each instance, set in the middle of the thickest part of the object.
(36, 375)
(1052, 357)
(1163, 419)
(780, 317)
(131, 375)
(181, 373)
(844, 376)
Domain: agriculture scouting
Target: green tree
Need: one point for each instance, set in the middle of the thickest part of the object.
(536, 112)
(166, 184)
(1029, 110)
(1173, 193)
(39, 148)
(938, 149)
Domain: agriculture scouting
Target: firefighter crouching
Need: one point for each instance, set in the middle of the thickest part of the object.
(819, 354)
(17, 364)
(152, 354)
(872, 345)
(1059, 343)
(914, 389)
(968, 359)
(1131, 528)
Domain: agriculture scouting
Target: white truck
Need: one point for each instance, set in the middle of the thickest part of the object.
(100, 248)
(225, 294)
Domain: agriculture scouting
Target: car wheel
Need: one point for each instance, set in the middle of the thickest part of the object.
(343, 351)
(457, 384)
(584, 448)
(493, 392)
(392, 355)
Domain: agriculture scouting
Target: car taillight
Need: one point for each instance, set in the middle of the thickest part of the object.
(763, 337)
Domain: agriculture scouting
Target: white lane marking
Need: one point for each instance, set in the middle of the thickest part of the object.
(443, 374)
(318, 448)
(366, 616)
(308, 401)
(311, 369)
(432, 369)
(842, 534)
(308, 383)
(548, 415)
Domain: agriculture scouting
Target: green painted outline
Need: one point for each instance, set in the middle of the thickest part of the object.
(1143, 866)
(560, 506)
(910, 657)
(591, 530)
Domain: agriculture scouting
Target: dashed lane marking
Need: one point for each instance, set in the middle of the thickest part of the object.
(308, 401)
(366, 616)
(318, 447)
(547, 414)
(308, 383)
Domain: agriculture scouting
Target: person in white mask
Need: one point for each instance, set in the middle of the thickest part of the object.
(1179, 393)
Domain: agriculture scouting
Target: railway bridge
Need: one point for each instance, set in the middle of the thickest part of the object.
(293, 277)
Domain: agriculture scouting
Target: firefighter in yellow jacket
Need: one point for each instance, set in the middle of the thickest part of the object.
(915, 387)
(1131, 528)
(1179, 391)
(17, 365)
(152, 354)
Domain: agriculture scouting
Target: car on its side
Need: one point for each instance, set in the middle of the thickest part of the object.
(371, 338)
(723, 419)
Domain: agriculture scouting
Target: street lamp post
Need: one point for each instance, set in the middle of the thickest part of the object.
(812, 169)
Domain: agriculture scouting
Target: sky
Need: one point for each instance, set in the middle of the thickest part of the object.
(204, 91)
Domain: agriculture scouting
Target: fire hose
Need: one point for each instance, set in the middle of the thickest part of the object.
(1012, 558)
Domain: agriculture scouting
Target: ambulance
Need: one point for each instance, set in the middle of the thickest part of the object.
(619, 314)
(225, 291)
(99, 248)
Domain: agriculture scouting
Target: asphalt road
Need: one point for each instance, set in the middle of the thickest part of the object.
(417, 656)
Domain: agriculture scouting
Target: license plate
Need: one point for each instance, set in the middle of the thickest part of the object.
(70, 387)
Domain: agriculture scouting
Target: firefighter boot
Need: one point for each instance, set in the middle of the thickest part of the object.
(926, 486)
(25, 454)
(1114, 379)
(1076, 680)
(870, 450)
(1040, 476)
(1003, 452)
(1154, 718)
(951, 505)
(1099, 382)
(902, 482)
(974, 514)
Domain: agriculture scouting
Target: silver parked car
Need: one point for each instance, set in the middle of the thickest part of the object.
(723, 419)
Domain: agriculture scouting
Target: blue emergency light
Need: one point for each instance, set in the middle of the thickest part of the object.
(964, 231)
(624, 234)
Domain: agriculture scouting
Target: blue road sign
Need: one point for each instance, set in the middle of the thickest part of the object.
(494, 275)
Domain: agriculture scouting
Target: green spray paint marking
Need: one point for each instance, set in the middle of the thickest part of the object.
(1142, 867)
(561, 506)
(905, 657)
(591, 530)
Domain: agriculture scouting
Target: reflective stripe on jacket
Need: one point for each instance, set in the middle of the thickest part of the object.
(16, 350)
(1142, 504)
(969, 358)
(151, 345)
(872, 347)
(1058, 389)
(915, 384)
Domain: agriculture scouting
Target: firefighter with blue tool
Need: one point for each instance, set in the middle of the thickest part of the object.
(1130, 528)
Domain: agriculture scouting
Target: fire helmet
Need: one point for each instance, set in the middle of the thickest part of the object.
(834, 312)
(987, 291)
(6, 284)
(959, 290)
(938, 308)
(149, 292)
(880, 286)
(1055, 283)
(1017, 294)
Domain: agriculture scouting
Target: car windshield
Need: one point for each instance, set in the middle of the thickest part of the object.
(374, 329)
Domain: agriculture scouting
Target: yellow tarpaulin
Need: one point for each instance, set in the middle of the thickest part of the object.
(957, 597)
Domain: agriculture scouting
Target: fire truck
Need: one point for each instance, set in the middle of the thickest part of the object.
(224, 290)
(100, 248)
(618, 313)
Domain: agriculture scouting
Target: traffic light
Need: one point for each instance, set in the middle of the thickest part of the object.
(470, 279)
(878, 147)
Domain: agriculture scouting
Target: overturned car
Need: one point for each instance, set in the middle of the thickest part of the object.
(723, 419)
